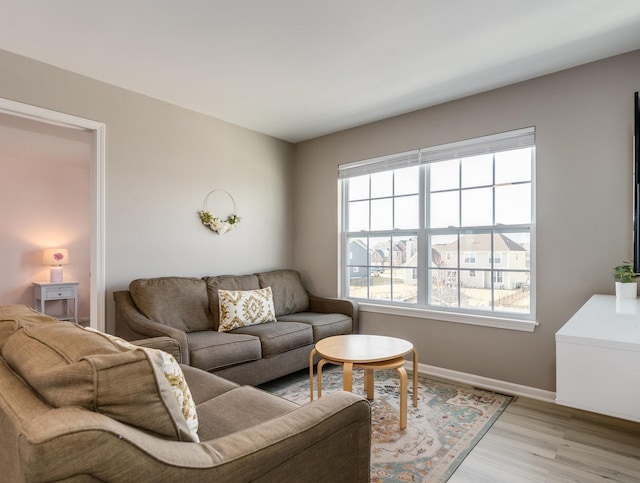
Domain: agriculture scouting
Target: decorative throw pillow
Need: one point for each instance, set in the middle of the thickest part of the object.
(239, 308)
(168, 366)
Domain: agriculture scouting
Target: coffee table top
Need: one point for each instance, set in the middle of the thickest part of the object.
(362, 348)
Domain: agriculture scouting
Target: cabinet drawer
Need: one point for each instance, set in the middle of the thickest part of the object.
(59, 293)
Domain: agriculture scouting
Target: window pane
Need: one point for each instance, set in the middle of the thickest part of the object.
(358, 283)
(513, 166)
(477, 171)
(406, 181)
(380, 288)
(405, 251)
(382, 184)
(513, 204)
(444, 251)
(380, 253)
(476, 250)
(475, 289)
(357, 252)
(444, 288)
(382, 214)
(359, 188)
(358, 216)
(444, 209)
(515, 248)
(477, 207)
(512, 292)
(407, 212)
(405, 288)
(445, 175)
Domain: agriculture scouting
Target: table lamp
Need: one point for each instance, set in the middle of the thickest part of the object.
(56, 257)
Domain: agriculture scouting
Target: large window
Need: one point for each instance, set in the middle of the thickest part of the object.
(447, 228)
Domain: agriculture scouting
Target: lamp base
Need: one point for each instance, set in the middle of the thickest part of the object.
(55, 275)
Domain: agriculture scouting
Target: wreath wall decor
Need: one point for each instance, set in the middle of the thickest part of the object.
(216, 224)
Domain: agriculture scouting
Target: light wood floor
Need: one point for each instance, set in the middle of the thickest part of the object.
(533, 441)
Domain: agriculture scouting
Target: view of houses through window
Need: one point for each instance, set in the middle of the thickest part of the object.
(446, 233)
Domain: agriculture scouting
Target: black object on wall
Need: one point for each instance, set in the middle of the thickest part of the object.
(636, 183)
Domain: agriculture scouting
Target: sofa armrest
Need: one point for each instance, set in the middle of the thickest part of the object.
(166, 344)
(325, 305)
(128, 315)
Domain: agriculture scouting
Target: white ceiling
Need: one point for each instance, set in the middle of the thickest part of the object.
(298, 69)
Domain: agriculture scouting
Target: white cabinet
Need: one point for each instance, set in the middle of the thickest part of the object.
(598, 358)
(67, 291)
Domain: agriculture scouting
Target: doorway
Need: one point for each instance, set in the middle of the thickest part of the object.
(97, 189)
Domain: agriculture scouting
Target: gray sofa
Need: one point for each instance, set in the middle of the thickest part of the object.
(187, 310)
(77, 407)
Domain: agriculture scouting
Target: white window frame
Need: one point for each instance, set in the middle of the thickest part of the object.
(486, 144)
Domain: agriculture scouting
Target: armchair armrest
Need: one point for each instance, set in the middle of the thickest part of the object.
(128, 315)
(325, 305)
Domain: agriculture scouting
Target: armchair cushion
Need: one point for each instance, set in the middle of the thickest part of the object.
(289, 294)
(179, 302)
(70, 366)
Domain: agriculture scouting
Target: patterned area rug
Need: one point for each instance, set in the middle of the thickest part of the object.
(449, 421)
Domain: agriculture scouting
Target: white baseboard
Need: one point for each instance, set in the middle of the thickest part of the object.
(487, 383)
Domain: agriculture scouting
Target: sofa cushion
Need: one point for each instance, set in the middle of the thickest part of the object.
(239, 308)
(70, 366)
(179, 302)
(324, 325)
(172, 372)
(210, 350)
(226, 282)
(276, 337)
(229, 413)
(289, 295)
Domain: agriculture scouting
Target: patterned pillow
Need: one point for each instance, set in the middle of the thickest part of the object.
(172, 372)
(239, 308)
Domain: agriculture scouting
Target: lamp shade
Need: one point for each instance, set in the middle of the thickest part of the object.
(55, 256)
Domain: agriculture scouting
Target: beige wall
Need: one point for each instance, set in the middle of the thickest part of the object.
(584, 124)
(161, 161)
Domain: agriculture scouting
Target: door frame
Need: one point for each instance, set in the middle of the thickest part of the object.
(97, 170)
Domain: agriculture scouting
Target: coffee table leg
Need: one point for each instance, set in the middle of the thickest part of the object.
(402, 372)
(368, 383)
(415, 378)
(313, 352)
(321, 364)
(347, 376)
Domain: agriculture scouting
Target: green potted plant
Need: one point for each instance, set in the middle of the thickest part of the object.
(624, 275)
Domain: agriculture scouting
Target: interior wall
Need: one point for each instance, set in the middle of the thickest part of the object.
(45, 195)
(584, 127)
(161, 161)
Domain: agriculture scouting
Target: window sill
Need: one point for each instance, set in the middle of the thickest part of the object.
(483, 320)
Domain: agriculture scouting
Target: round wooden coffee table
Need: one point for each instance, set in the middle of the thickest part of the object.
(369, 352)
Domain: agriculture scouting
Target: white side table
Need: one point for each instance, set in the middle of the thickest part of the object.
(46, 291)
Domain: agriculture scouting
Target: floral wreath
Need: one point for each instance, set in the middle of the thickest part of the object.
(216, 224)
